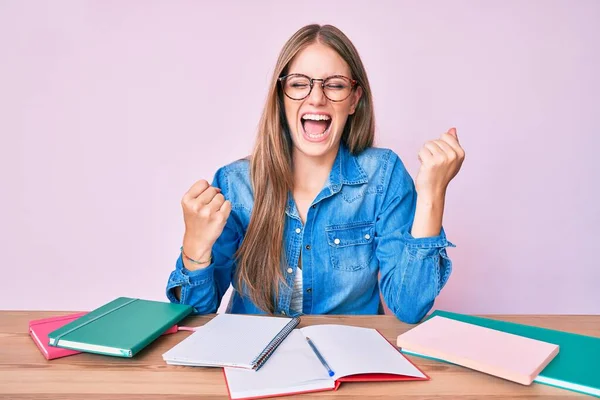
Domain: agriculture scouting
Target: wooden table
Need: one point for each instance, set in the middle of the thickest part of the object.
(26, 374)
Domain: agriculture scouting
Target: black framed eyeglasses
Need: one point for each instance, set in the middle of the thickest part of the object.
(335, 88)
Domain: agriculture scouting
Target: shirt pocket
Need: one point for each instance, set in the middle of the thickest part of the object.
(350, 245)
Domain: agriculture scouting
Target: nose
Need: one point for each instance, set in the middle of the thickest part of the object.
(317, 95)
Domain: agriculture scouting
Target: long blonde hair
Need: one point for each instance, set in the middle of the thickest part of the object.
(262, 251)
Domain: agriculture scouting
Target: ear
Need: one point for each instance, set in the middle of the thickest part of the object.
(355, 99)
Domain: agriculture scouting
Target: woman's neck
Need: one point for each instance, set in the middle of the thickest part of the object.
(311, 173)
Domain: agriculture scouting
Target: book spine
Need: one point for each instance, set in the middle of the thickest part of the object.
(260, 360)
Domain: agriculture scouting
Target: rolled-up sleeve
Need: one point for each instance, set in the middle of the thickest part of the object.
(413, 270)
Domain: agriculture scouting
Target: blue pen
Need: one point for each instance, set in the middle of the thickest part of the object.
(320, 357)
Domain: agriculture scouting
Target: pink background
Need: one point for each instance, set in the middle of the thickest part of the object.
(110, 110)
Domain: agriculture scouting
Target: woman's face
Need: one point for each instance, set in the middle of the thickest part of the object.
(316, 123)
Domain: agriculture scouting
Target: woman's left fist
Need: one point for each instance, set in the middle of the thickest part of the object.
(441, 160)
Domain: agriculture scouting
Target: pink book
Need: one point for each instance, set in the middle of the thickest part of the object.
(516, 358)
(40, 328)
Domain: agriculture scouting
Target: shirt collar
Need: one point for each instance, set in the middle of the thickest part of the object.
(346, 170)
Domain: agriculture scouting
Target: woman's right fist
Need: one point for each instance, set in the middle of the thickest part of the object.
(205, 212)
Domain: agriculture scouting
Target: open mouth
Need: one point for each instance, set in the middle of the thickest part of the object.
(316, 126)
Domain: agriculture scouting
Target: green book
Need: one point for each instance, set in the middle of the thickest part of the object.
(576, 366)
(120, 328)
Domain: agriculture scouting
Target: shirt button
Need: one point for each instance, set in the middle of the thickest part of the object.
(336, 241)
(314, 206)
(289, 270)
(308, 290)
(298, 230)
(308, 247)
(367, 236)
(282, 312)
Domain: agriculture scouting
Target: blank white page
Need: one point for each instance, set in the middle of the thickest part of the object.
(351, 350)
(227, 340)
(292, 368)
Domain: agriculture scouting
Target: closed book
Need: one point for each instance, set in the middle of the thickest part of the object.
(576, 365)
(40, 328)
(119, 328)
(512, 357)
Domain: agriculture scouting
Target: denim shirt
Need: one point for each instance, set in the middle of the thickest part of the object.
(356, 244)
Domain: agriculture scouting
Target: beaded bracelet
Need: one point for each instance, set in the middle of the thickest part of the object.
(196, 261)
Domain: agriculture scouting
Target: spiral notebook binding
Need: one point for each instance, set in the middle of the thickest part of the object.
(262, 358)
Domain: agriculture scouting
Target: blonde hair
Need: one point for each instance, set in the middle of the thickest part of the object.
(261, 253)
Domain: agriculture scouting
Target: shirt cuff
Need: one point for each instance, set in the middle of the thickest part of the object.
(427, 242)
(426, 246)
(201, 276)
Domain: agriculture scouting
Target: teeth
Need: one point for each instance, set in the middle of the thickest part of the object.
(316, 117)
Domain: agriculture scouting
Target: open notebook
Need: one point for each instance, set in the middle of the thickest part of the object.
(235, 340)
(353, 353)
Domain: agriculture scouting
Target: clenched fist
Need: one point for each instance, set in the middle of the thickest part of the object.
(205, 212)
(441, 160)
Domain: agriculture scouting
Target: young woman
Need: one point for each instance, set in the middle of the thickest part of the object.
(317, 221)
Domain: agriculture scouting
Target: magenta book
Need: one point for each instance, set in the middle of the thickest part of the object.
(40, 328)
